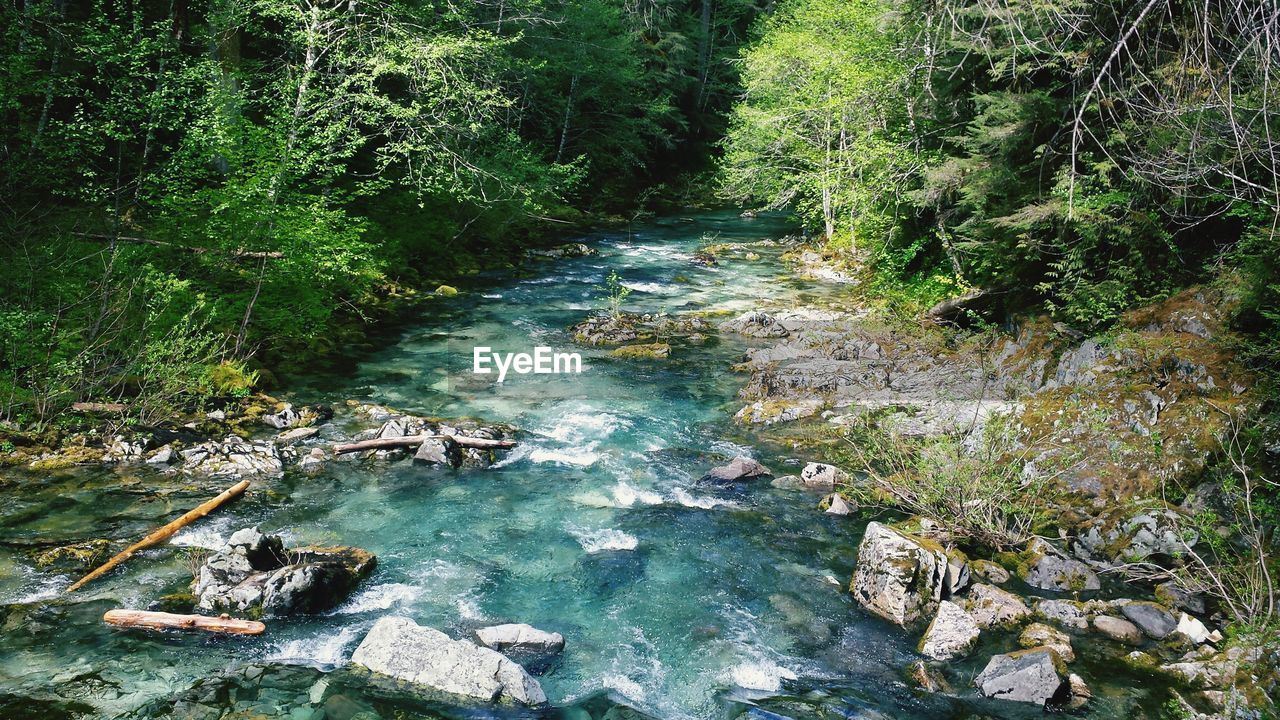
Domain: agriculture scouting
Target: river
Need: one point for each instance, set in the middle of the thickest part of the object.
(680, 599)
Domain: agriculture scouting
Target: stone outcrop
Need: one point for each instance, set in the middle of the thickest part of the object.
(1041, 635)
(900, 577)
(755, 324)
(952, 633)
(232, 457)
(402, 649)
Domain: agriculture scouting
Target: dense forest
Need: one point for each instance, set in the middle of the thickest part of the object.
(189, 185)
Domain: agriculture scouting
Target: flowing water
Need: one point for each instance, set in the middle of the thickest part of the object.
(678, 598)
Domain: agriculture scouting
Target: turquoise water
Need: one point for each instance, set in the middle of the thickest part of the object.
(680, 599)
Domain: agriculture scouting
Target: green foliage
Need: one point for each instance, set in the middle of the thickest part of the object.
(614, 294)
(231, 377)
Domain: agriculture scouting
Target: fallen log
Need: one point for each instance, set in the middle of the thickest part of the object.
(412, 440)
(170, 621)
(164, 533)
(99, 407)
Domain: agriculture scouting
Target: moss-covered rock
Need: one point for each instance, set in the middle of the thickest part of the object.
(650, 351)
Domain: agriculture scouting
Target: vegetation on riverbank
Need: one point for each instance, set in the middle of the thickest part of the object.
(189, 187)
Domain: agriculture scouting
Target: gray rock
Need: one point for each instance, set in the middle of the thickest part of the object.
(787, 482)
(755, 324)
(163, 456)
(951, 634)
(1041, 635)
(989, 571)
(1118, 629)
(740, 468)
(520, 637)
(837, 505)
(821, 476)
(1171, 594)
(256, 572)
(443, 451)
(1069, 613)
(404, 650)
(899, 577)
(992, 607)
(1048, 568)
(313, 460)
(1029, 676)
(296, 435)
(1154, 620)
(232, 456)
(287, 417)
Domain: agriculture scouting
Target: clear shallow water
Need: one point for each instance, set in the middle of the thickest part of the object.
(681, 599)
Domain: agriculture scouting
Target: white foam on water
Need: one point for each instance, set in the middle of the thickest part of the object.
(593, 499)
(469, 609)
(683, 497)
(48, 588)
(211, 534)
(760, 675)
(625, 686)
(520, 452)
(652, 288)
(627, 496)
(578, 458)
(328, 650)
(491, 296)
(594, 541)
(379, 597)
(578, 426)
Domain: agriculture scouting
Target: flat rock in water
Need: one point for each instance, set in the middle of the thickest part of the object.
(520, 637)
(992, 607)
(740, 468)
(1029, 676)
(402, 649)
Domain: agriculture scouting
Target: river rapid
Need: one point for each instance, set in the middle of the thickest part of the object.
(678, 598)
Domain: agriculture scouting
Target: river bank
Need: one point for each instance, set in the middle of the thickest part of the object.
(679, 591)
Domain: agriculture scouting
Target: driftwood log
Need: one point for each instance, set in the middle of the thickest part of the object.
(164, 533)
(99, 407)
(412, 440)
(170, 621)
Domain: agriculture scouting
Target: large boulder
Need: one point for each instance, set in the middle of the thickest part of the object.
(992, 607)
(1153, 619)
(404, 650)
(256, 575)
(951, 634)
(740, 468)
(1048, 568)
(1029, 676)
(900, 577)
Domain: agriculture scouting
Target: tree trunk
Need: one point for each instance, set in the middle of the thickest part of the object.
(411, 440)
(164, 533)
(170, 621)
(568, 110)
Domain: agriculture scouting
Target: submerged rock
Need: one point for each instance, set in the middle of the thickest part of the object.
(952, 633)
(567, 250)
(738, 469)
(1041, 635)
(652, 351)
(899, 577)
(402, 649)
(1029, 676)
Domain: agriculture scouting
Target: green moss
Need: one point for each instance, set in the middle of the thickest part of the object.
(85, 555)
(652, 351)
(446, 291)
(179, 602)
